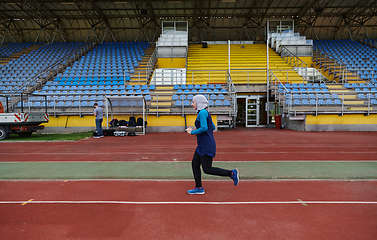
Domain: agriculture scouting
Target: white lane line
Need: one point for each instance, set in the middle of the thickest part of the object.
(188, 203)
(185, 180)
(189, 161)
(162, 153)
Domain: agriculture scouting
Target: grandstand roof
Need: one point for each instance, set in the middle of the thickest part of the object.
(108, 20)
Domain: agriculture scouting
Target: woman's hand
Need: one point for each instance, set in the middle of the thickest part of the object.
(188, 130)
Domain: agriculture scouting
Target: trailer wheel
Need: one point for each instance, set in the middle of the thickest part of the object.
(4, 134)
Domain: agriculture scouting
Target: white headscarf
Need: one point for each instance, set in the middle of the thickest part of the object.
(201, 102)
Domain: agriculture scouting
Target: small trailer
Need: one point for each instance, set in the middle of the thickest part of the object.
(21, 123)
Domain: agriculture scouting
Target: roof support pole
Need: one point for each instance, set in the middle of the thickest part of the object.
(3, 38)
(366, 33)
(39, 33)
(349, 32)
(88, 35)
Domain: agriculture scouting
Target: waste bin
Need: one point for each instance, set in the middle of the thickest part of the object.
(277, 121)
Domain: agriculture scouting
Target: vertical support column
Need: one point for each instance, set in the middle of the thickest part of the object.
(107, 113)
(268, 79)
(229, 56)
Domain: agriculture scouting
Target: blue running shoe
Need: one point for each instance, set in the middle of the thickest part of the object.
(235, 176)
(196, 191)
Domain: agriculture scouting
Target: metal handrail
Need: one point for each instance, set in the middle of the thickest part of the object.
(328, 57)
(340, 109)
(232, 92)
(151, 64)
(276, 88)
(184, 110)
(300, 62)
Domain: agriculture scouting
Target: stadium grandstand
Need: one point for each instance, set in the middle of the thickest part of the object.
(303, 65)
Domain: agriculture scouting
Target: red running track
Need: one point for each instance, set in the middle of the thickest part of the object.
(232, 145)
(259, 210)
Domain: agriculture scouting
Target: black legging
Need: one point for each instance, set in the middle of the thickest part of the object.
(206, 162)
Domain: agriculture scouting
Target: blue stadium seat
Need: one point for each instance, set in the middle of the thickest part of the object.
(329, 102)
(220, 97)
(361, 96)
(219, 103)
(296, 102)
(178, 103)
(226, 103)
(321, 102)
(305, 102)
(213, 97)
(186, 103)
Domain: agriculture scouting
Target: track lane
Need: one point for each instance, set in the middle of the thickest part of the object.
(187, 221)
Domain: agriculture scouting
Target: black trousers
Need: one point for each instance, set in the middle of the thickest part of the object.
(206, 162)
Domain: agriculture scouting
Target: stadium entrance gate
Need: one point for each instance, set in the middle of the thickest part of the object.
(255, 111)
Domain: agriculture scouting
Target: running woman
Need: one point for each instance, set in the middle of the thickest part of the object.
(206, 149)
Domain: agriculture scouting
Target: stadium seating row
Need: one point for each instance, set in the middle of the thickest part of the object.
(11, 83)
(87, 92)
(303, 85)
(361, 85)
(304, 90)
(197, 87)
(190, 97)
(320, 102)
(76, 83)
(211, 103)
(194, 91)
(313, 102)
(9, 48)
(140, 87)
(365, 90)
(98, 74)
(87, 78)
(99, 69)
(312, 96)
(75, 103)
(367, 96)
